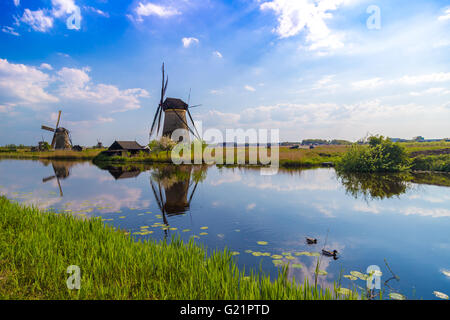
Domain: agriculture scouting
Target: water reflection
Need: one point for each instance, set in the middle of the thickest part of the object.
(174, 187)
(61, 170)
(375, 186)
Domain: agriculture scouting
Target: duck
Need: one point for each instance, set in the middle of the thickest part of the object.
(311, 240)
(329, 253)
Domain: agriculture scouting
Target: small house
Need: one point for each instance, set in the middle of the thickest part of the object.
(125, 148)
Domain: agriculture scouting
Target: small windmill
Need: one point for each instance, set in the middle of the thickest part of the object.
(61, 136)
(174, 115)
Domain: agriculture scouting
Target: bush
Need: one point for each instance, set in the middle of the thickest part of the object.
(381, 155)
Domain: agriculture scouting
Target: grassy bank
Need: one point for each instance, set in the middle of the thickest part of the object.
(289, 158)
(88, 154)
(36, 248)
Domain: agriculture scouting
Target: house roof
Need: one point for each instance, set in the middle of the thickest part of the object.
(174, 103)
(126, 145)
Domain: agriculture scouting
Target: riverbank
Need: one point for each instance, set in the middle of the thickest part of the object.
(433, 156)
(37, 247)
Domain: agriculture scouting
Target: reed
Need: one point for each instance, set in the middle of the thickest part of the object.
(36, 247)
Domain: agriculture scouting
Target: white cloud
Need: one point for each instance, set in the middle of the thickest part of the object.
(46, 66)
(187, 42)
(309, 16)
(38, 20)
(151, 9)
(10, 30)
(249, 88)
(97, 11)
(23, 84)
(77, 85)
(218, 54)
(17, 3)
(433, 91)
(445, 16)
(405, 80)
(63, 7)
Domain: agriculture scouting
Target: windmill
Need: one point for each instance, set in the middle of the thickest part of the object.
(61, 136)
(174, 115)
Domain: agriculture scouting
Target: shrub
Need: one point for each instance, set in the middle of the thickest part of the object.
(381, 155)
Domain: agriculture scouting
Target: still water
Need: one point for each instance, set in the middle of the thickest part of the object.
(386, 220)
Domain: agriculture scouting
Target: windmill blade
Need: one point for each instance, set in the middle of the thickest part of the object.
(59, 186)
(189, 97)
(154, 121)
(159, 119)
(54, 140)
(182, 120)
(48, 129)
(158, 201)
(48, 178)
(190, 117)
(165, 86)
(192, 193)
(59, 117)
(197, 105)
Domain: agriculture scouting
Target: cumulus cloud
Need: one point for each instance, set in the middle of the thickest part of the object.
(76, 84)
(30, 86)
(308, 16)
(151, 9)
(37, 20)
(187, 42)
(63, 7)
(445, 16)
(23, 84)
(46, 66)
(249, 88)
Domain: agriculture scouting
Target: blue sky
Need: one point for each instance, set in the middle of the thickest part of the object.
(313, 69)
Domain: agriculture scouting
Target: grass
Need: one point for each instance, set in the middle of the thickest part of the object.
(87, 154)
(36, 248)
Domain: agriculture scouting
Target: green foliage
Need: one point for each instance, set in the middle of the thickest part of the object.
(431, 163)
(36, 247)
(381, 155)
(45, 146)
(163, 144)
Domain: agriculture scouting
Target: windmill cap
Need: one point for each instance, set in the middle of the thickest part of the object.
(174, 103)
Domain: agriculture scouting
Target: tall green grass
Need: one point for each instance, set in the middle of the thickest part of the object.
(36, 247)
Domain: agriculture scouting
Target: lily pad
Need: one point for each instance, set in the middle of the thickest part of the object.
(203, 233)
(277, 256)
(262, 243)
(440, 295)
(322, 273)
(396, 296)
(289, 257)
(186, 230)
(278, 262)
(256, 254)
(303, 253)
(297, 265)
(344, 291)
(204, 228)
(248, 251)
(235, 253)
(446, 272)
(350, 277)
(359, 275)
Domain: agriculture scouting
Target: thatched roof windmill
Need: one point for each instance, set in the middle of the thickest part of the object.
(61, 136)
(174, 115)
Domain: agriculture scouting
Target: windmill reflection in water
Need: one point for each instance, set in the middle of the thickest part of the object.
(61, 170)
(174, 188)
